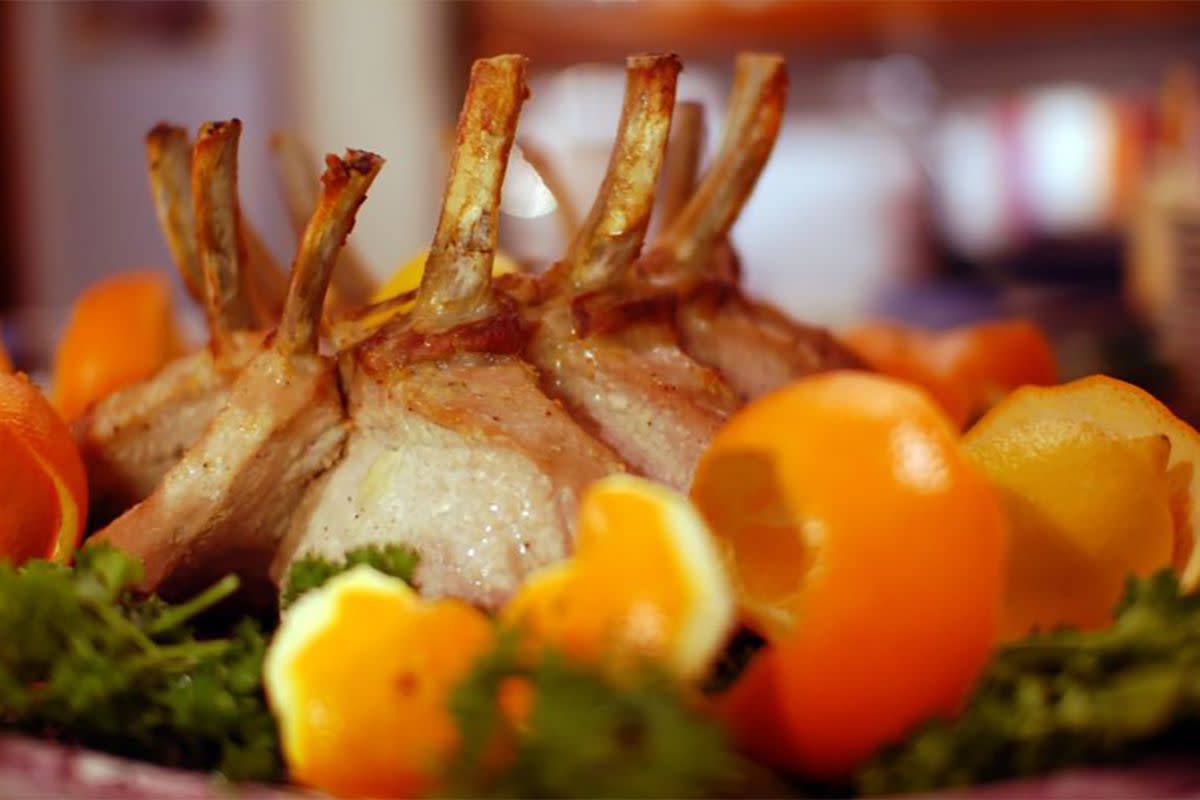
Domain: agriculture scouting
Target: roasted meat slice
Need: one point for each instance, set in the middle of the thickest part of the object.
(132, 437)
(604, 343)
(227, 503)
(454, 449)
(754, 346)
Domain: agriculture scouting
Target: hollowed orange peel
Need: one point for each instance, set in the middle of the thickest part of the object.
(867, 550)
(43, 486)
(646, 582)
(1100, 481)
(359, 675)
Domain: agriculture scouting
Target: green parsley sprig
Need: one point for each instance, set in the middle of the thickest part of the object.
(589, 735)
(311, 572)
(83, 659)
(1064, 698)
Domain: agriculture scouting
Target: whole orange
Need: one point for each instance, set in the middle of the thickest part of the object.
(966, 369)
(908, 354)
(993, 358)
(121, 330)
(868, 551)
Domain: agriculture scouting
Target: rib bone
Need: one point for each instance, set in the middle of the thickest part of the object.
(456, 286)
(683, 160)
(169, 161)
(226, 504)
(345, 184)
(267, 281)
(352, 280)
(751, 126)
(222, 252)
(612, 235)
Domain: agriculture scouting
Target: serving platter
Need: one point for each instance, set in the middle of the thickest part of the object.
(31, 768)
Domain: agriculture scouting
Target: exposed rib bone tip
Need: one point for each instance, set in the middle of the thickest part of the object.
(212, 128)
(362, 161)
(345, 182)
(651, 60)
(164, 130)
(339, 170)
(612, 235)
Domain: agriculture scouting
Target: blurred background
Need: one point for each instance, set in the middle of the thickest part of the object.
(941, 161)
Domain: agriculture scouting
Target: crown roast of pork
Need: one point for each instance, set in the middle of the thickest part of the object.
(467, 427)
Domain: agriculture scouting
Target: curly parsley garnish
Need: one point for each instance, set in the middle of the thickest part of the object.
(84, 660)
(587, 735)
(1063, 698)
(311, 572)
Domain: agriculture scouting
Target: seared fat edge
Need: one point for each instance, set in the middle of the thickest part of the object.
(454, 449)
(755, 347)
(226, 504)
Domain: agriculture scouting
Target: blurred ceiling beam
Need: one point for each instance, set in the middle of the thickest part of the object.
(563, 32)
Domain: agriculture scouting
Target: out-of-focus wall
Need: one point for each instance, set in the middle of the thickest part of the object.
(375, 74)
(88, 94)
(91, 80)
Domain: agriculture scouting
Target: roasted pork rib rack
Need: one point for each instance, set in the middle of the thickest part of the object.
(132, 437)
(468, 427)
